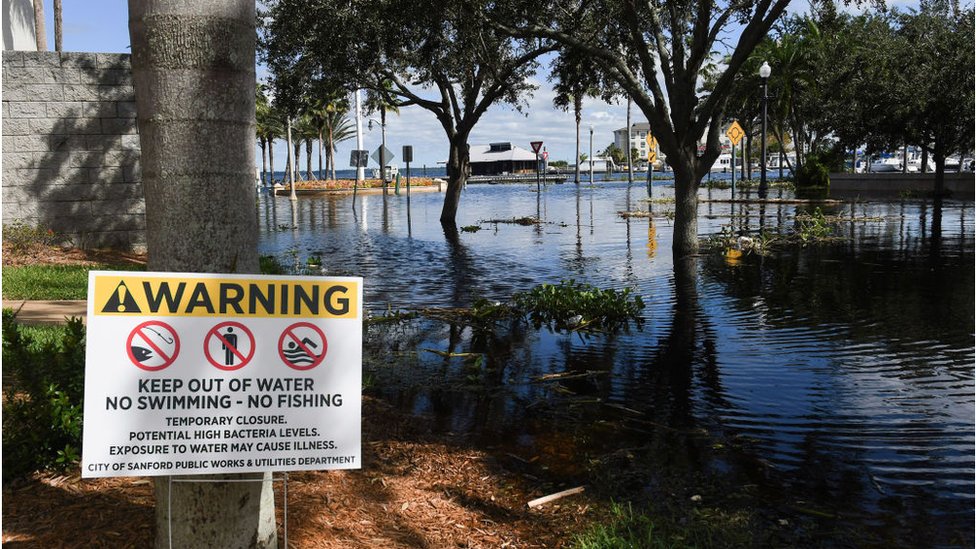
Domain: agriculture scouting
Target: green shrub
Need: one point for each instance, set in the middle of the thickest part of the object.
(20, 237)
(271, 266)
(814, 173)
(44, 369)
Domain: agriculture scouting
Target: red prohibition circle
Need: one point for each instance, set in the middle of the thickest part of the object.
(215, 332)
(167, 359)
(289, 334)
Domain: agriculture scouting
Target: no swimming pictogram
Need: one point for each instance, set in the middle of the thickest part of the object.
(229, 346)
(153, 345)
(302, 346)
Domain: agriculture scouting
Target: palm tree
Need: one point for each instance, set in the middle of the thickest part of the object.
(306, 131)
(575, 81)
(337, 128)
(267, 129)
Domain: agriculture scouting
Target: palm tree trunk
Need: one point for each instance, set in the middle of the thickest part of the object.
(308, 157)
(197, 176)
(58, 23)
(320, 154)
(264, 164)
(40, 35)
(578, 110)
(271, 160)
(630, 160)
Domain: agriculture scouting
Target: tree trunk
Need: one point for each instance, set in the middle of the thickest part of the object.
(308, 158)
(578, 111)
(40, 36)
(271, 160)
(747, 160)
(685, 242)
(58, 24)
(320, 155)
(297, 157)
(630, 159)
(457, 173)
(940, 161)
(194, 82)
(264, 164)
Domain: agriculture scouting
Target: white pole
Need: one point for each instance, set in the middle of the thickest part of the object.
(360, 172)
(291, 164)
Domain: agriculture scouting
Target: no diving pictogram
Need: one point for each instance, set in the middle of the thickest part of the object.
(229, 346)
(153, 345)
(302, 346)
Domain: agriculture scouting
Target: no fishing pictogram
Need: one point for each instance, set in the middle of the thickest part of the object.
(229, 346)
(302, 346)
(153, 345)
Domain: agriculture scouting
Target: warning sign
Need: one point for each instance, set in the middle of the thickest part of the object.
(229, 346)
(137, 294)
(191, 373)
(302, 346)
(153, 345)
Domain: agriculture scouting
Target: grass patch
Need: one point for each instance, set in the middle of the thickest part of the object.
(52, 282)
(627, 529)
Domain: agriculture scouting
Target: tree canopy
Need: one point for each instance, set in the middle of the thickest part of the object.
(434, 55)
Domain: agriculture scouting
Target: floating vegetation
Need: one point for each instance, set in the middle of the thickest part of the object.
(525, 221)
(840, 218)
(661, 200)
(574, 306)
(567, 306)
(667, 214)
(470, 228)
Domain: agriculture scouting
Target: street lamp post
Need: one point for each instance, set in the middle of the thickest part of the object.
(382, 123)
(764, 72)
(591, 155)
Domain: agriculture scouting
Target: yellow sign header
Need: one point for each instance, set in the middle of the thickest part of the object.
(172, 294)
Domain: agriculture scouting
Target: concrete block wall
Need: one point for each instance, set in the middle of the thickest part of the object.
(71, 148)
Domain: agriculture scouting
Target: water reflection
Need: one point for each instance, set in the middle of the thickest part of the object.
(840, 375)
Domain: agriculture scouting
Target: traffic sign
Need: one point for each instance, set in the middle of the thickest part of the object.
(536, 146)
(388, 154)
(651, 156)
(735, 133)
(651, 141)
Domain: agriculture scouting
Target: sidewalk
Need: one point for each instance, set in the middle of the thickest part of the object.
(46, 312)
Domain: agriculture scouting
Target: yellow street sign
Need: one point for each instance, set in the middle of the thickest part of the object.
(651, 156)
(735, 133)
(651, 141)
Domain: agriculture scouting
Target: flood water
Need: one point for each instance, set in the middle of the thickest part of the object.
(835, 381)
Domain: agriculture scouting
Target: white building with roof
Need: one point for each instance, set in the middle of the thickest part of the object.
(501, 159)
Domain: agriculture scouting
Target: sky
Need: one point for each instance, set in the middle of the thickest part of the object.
(102, 26)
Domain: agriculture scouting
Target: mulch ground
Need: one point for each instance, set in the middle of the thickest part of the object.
(56, 255)
(414, 490)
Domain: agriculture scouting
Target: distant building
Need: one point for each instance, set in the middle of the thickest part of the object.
(638, 140)
(501, 158)
(601, 164)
